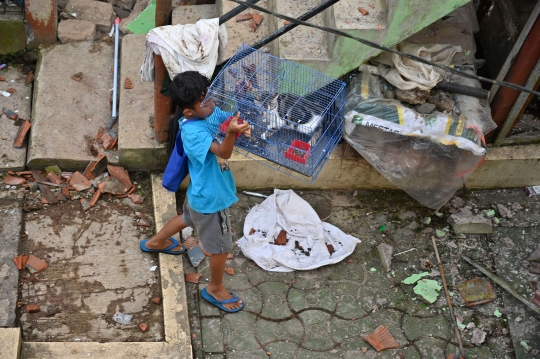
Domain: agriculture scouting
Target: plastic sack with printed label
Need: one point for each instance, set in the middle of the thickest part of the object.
(428, 156)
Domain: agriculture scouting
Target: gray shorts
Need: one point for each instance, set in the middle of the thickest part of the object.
(214, 229)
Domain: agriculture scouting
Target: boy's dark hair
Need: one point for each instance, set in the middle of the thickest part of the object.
(188, 87)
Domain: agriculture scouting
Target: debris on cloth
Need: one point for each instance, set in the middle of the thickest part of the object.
(191, 47)
(307, 236)
(476, 291)
(429, 156)
(407, 74)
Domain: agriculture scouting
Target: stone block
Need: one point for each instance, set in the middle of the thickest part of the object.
(11, 343)
(100, 13)
(385, 255)
(16, 41)
(470, 224)
(124, 4)
(76, 30)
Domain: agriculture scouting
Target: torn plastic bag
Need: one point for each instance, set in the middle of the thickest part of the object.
(430, 157)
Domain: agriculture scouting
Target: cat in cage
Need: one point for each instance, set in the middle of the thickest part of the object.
(286, 110)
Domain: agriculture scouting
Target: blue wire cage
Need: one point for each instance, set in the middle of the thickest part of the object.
(295, 113)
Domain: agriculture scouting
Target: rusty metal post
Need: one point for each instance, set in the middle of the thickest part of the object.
(518, 74)
(163, 105)
(42, 18)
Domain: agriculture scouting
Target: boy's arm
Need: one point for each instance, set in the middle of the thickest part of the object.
(225, 148)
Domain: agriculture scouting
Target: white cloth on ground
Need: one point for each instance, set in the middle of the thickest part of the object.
(192, 47)
(407, 74)
(288, 211)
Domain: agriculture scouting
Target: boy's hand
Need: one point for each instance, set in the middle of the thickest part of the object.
(235, 127)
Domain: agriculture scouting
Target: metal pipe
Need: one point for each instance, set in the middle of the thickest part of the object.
(237, 10)
(115, 71)
(453, 87)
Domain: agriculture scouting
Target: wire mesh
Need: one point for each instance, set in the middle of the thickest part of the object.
(296, 113)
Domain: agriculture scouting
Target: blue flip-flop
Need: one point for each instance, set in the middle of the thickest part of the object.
(219, 303)
(168, 250)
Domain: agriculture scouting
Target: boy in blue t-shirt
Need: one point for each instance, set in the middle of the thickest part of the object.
(211, 190)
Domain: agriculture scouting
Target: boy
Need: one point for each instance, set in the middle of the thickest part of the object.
(211, 190)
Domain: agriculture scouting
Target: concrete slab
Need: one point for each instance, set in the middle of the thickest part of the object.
(96, 269)
(11, 343)
(67, 113)
(137, 147)
(10, 231)
(239, 32)
(190, 14)
(304, 43)
(98, 12)
(12, 158)
(76, 30)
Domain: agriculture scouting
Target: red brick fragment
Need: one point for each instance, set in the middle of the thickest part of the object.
(85, 204)
(95, 198)
(65, 192)
(193, 277)
(44, 200)
(61, 197)
(536, 298)
(29, 78)
(14, 181)
(363, 11)
(286, 22)
(100, 132)
(77, 77)
(281, 239)
(229, 271)
(11, 115)
(143, 222)
(330, 248)
(2, 78)
(243, 17)
(20, 261)
(54, 178)
(21, 134)
(381, 339)
(32, 308)
(121, 175)
(20, 304)
(79, 182)
(156, 300)
(257, 19)
(34, 264)
(128, 85)
(135, 198)
(251, 231)
(252, 26)
(11, 90)
(143, 326)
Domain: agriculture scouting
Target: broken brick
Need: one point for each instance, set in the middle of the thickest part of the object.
(85, 204)
(381, 339)
(101, 165)
(536, 298)
(95, 198)
(79, 182)
(44, 200)
(143, 222)
(476, 291)
(2, 78)
(108, 142)
(20, 304)
(143, 326)
(29, 78)
(34, 264)
(286, 22)
(252, 231)
(65, 192)
(121, 175)
(243, 17)
(11, 90)
(61, 197)
(229, 271)
(77, 77)
(193, 277)
(135, 198)
(111, 186)
(257, 19)
(21, 134)
(13, 181)
(128, 85)
(252, 26)
(54, 178)
(363, 11)
(156, 300)
(88, 170)
(100, 132)
(32, 308)
(281, 239)
(20, 261)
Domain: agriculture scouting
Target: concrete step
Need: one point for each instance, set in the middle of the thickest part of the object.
(67, 114)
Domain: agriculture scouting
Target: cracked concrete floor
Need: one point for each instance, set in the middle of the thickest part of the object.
(326, 313)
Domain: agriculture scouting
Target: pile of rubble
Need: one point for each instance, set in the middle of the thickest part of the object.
(54, 185)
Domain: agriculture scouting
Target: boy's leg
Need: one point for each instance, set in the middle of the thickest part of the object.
(216, 288)
(161, 239)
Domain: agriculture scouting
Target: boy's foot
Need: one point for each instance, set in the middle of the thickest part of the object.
(226, 301)
(172, 247)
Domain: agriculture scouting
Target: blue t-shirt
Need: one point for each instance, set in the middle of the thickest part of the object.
(210, 189)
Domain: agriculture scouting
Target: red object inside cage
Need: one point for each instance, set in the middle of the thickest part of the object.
(298, 151)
